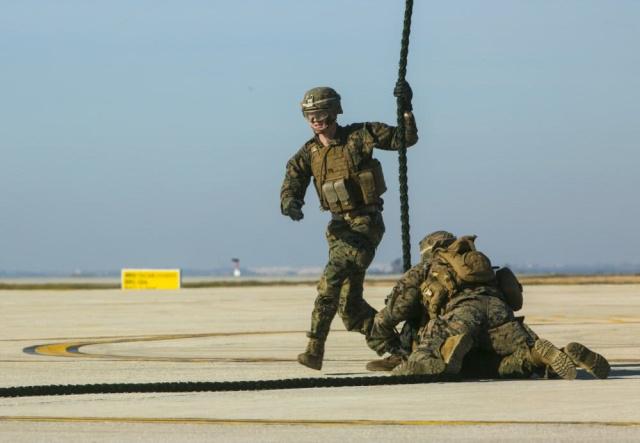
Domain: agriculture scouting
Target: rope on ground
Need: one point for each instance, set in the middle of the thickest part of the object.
(224, 386)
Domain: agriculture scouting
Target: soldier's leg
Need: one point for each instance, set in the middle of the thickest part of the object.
(356, 249)
(592, 362)
(512, 344)
(447, 339)
(324, 310)
(400, 306)
(523, 352)
(357, 315)
(326, 303)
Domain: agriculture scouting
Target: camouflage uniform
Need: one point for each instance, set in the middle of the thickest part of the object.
(353, 236)
(467, 310)
(482, 315)
(403, 304)
(471, 329)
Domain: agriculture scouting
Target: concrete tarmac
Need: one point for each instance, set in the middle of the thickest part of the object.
(255, 333)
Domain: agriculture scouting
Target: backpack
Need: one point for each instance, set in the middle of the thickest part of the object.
(455, 267)
(511, 288)
(470, 266)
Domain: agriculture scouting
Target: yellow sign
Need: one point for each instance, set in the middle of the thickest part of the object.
(151, 279)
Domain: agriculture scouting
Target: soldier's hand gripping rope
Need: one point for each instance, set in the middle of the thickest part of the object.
(404, 94)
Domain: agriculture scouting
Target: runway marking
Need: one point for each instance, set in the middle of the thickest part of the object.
(534, 322)
(72, 348)
(302, 422)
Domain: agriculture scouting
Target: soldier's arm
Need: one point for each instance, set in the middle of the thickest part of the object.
(296, 178)
(387, 137)
(407, 289)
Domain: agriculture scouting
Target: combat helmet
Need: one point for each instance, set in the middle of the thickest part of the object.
(436, 238)
(321, 98)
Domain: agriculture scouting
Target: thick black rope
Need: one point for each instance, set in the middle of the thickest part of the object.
(224, 386)
(402, 152)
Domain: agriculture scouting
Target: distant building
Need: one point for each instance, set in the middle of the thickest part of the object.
(236, 267)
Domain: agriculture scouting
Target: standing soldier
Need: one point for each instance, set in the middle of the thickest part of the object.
(349, 183)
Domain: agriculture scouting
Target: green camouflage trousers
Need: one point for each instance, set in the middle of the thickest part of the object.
(491, 323)
(352, 246)
(403, 304)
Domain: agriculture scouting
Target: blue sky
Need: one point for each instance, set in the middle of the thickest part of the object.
(155, 133)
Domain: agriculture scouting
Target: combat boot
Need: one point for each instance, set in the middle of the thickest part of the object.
(592, 362)
(453, 351)
(420, 364)
(447, 359)
(385, 364)
(544, 353)
(312, 357)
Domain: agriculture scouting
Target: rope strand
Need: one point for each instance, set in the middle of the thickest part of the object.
(402, 152)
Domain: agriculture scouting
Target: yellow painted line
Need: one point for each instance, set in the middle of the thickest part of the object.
(63, 349)
(58, 349)
(249, 421)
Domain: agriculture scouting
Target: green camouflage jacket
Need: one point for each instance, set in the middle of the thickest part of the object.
(358, 138)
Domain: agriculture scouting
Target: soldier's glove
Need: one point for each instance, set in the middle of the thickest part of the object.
(404, 94)
(293, 209)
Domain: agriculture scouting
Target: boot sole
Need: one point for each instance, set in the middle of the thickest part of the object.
(304, 360)
(424, 366)
(428, 367)
(558, 360)
(383, 365)
(592, 362)
(454, 362)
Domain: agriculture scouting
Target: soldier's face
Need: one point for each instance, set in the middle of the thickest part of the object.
(320, 121)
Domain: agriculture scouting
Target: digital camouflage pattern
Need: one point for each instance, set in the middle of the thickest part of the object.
(321, 98)
(478, 313)
(404, 303)
(437, 293)
(472, 330)
(357, 141)
(352, 246)
(352, 236)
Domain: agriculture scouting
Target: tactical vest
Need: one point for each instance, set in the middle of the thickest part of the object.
(455, 269)
(341, 184)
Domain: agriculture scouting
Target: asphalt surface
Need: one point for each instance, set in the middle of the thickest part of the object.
(255, 333)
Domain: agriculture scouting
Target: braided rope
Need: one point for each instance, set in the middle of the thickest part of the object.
(249, 385)
(402, 152)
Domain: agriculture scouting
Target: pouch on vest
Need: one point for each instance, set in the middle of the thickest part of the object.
(372, 184)
(434, 297)
(330, 196)
(468, 264)
(346, 202)
(510, 287)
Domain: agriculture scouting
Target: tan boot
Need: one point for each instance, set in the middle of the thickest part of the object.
(384, 364)
(453, 351)
(312, 357)
(592, 362)
(544, 353)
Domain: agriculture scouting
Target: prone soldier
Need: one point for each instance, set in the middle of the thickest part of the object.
(460, 303)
